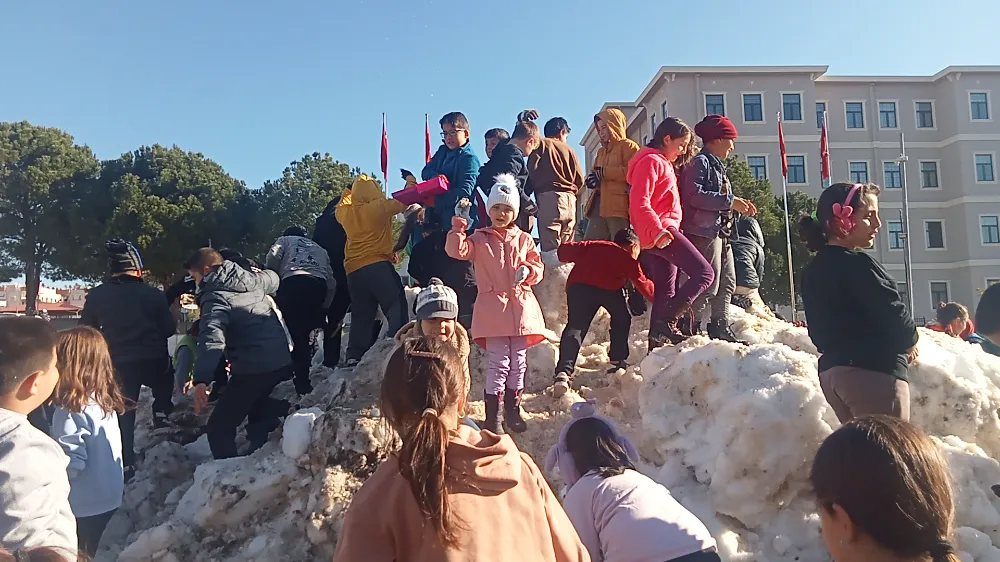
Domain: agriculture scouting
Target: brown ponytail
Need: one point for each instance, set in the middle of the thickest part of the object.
(674, 128)
(423, 380)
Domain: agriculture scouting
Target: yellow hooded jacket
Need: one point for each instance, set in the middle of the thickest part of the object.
(366, 216)
(614, 158)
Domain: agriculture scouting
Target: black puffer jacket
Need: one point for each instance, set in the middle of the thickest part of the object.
(329, 234)
(748, 253)
(133, 316)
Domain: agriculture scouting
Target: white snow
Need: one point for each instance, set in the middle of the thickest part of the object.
(730, 430)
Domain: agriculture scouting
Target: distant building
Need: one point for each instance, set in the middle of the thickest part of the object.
(56, 302)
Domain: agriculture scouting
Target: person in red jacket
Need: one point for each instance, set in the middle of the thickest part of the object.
(598, 280)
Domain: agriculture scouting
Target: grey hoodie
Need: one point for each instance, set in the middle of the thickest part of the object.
(297, 255)
(238, 319)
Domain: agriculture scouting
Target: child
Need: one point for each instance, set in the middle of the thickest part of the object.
(366, 215)
(456, 493)
(855, 316)
(953, 319)
(508, 158)
(493, 138)
(619, 512)
(184, 359)
(884, 493)
(85, 424)
(748, 261)
(456, 161)
(655, 208)
(430, 260)
(987, 332)
(507, 319)
(35, 510)
(598, 280)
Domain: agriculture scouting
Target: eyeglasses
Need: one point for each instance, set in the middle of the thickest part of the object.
(446, 134)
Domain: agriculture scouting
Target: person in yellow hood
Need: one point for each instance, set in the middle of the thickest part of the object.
(607, 209)
(366, 215)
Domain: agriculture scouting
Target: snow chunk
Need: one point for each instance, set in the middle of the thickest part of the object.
(296, 435)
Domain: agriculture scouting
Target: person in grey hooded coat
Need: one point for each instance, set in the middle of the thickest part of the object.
(239, 318)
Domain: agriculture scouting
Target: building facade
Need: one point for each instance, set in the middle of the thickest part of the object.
(952, 145)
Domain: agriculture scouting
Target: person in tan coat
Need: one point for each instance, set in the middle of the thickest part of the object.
(607, 209)
(455, 494)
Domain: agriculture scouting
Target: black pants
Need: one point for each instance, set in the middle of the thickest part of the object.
(372, 287)
(247, 397)
(334, 332)
(132, 376)
(89, 531)
(584, 301)
(300, 299)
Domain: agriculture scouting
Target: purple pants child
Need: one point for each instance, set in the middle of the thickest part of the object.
(661, 264)
(502, 352)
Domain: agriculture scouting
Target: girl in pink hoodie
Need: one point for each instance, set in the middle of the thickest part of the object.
(655, 212)
(451, 493)
(506, 319)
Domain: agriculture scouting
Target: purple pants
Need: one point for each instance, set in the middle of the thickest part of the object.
(661, 265)
(501, 352)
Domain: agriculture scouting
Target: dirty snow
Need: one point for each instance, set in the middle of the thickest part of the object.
(730, 430)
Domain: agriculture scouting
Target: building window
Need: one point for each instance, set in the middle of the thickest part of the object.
(895, 235)
(929, 175)
(715, 104)
(652, 123)
(753, 108)
(859, 172)
(791, 106)
(925, 115)
(645, 140)
(796, 169)
(904, 292)
(887, 114)
(663, 109)
(990, 227)
(939, 293)
(820, 112)
(855, 114)
(758, 165)
(935, 234)
(892, 178)
(980, 106)
(984, 168)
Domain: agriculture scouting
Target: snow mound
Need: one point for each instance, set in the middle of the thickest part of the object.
(731, 430)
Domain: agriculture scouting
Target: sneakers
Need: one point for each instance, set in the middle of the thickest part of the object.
(512, 411)
(560, 385)
(493, 422)
(719, 329)
(617, 366)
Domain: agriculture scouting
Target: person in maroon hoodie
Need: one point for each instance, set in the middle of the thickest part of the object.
(598, 280)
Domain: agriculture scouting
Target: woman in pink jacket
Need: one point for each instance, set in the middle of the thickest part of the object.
(506, 319)
(655, 212)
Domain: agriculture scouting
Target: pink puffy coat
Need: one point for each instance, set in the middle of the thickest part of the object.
(654, 202)
(502, 309)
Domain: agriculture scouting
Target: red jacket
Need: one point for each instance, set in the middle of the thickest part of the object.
(604, 265)
(654, 202)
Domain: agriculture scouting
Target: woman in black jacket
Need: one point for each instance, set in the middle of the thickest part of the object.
(855, 316)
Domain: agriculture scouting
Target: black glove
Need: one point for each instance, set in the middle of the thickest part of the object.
(636, 304)
(592, 182)
(599, 174)
(528, 115)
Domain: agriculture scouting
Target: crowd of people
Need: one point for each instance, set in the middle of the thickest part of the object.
(664, 227)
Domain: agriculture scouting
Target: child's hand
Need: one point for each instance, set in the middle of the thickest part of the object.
(664, 239)
(521, 274)
(464, 209)
(200, 397)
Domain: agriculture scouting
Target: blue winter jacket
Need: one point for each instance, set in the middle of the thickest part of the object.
(705, 195)
(461, 167)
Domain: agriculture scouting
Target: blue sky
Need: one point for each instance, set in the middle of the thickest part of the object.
(255, 85)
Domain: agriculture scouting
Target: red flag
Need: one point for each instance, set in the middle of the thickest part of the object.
(427, 140)
(781, 145)
(385, 152)
(824, 152)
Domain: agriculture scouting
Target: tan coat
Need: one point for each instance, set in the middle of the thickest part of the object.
(613, 158)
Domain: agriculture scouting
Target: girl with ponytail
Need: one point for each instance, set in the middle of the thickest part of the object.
(884, 493)
(854, 313)
(450, 493)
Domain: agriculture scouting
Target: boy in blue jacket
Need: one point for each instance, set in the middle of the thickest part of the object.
(456, 161)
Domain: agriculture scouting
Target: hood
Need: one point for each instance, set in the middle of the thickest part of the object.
(232, 278)
(363, 190)
(488, 461)
(642, 155)
(616, 122)
(747, 227)
(412, 330)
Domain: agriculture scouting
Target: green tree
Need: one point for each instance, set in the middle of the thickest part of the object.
(41, 170)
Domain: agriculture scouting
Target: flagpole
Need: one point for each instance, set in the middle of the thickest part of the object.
(907, 259)
(788, 228)
(385, 174)
(824, 179)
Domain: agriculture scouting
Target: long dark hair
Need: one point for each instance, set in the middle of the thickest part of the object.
(894, 484)
(949, 311)
(594, 446)
(816, 231)
(423, 379)
(674, 128)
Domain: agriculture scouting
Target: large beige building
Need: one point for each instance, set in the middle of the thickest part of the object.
(952, 143)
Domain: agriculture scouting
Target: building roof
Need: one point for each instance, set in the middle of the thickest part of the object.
(56, 307)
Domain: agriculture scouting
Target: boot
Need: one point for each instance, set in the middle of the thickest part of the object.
(493, 421)
(512, 411)
(670, 334)
(686, 325)
(617, 366)
(719, 329)
(560, 385)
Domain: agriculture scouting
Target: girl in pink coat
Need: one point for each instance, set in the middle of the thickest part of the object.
(506, 319)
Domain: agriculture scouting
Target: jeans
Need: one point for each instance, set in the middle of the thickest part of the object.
(132, 376)
(584, 301)
(300, 299)
(661, 264)
(719, 254)
(372, 287)
(501, 374)
(247, 397)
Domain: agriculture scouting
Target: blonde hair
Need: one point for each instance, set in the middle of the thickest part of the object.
(86, 372)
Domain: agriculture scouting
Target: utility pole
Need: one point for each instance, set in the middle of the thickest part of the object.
(905, 217)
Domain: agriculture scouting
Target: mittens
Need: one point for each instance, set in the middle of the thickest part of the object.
(521, 274)
(463, 209)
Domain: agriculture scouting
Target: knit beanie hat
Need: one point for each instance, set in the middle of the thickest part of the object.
(505, 192)
(122, 256)
(560, 456)
(714, 127)
(437, 300)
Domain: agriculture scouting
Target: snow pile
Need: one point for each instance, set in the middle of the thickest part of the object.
(731, 430)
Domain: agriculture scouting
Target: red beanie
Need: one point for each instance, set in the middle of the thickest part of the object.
(715, 127)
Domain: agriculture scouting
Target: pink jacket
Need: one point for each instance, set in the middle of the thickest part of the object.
(654, 202)
(502, 309)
